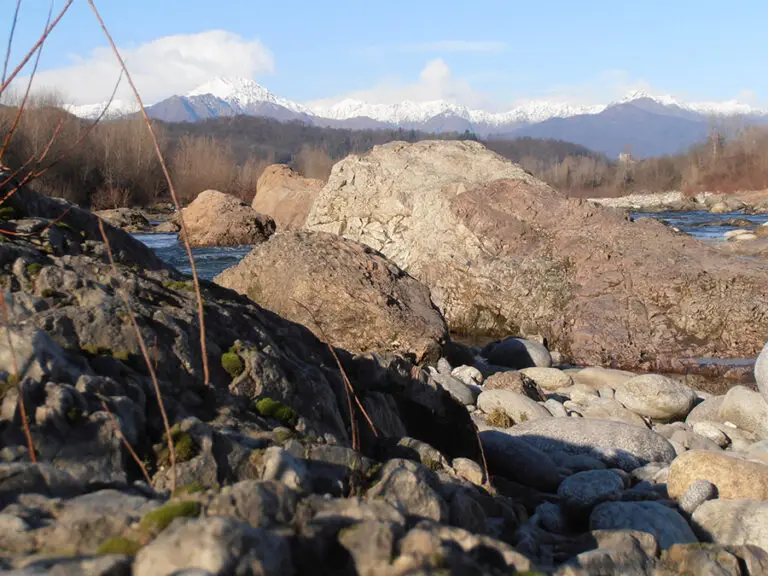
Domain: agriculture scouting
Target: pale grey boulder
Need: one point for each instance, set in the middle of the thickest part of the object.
(657, 397)
(617, 444)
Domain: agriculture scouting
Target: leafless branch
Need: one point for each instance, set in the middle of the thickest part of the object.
(184, 236)
(145, 353)
(125, 441)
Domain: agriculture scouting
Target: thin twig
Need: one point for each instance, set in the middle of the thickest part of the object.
(22, 106)
(145, 353)
(10, 39)
(482, 455)
(349, 389)
(125, 441)
(32, 50)
(171, 189)
(84, 135)
(22, 408)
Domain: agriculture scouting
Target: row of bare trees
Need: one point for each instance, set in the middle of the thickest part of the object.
(718, 165)
(116, 165)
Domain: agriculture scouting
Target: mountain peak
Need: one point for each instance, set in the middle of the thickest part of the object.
(243, 92)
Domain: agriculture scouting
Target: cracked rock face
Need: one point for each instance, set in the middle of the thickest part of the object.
(504, 253)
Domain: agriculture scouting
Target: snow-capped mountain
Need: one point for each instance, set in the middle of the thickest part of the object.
(242, 93)
(650, 124)
(116, 108)
(410, 111)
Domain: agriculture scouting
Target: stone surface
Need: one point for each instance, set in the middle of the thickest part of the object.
(216, 545)
(343, 291)
(517, 460)
(734, 477)
(469, 375)
(611, 410)
(503, 252)
(733, 522)
(580, 493)
(746, 409)
(548, 378)
(616, 444)
(514, 381)
(664, 523)
(657, 397)
(517, 353)
(518, 407)
(761, 364)
(598, 377)
(285, 195)
(218, 219)
(697, 493)
(706, 411)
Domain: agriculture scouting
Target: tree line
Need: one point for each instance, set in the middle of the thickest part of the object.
(115, 165)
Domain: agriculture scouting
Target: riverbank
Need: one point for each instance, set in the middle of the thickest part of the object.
(751, 201)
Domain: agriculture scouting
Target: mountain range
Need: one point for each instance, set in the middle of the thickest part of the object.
(648, 125)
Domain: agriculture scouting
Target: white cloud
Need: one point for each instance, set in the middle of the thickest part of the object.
(435, 82)
(160, 68)
(455, 46)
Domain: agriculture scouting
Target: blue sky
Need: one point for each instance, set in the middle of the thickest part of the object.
(485, 53)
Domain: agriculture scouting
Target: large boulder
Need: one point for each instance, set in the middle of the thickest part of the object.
(285, 195)
(734, 477)
(218, 219)
(616, 444)
(343, 291)
(664, 523)
(503, 252)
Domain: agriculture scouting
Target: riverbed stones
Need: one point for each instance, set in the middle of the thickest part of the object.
(664, 523)
(657, 397)
(616, 444)
(733, 522)
(580, 493)
(514, 381)
(746, 409)
(518, 407)
(518, 353)
(548, 378)
(733, 476)
(697, 493)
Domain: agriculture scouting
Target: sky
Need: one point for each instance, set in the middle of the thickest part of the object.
(489, 54)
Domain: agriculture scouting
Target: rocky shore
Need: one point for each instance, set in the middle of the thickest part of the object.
(395, 451)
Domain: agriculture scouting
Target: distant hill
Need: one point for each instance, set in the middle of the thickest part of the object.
(650, 126)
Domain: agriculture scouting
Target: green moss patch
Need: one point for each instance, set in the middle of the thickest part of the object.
(232, 363)
(7, 213)
(33, 269)
(184, 446)
(119, 545)
(271, 408)
(159, 519)
(178, 285)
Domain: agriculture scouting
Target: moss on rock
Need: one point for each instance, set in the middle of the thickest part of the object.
(232, 363)
(159, 519)
(271, 408)
(119, 545)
